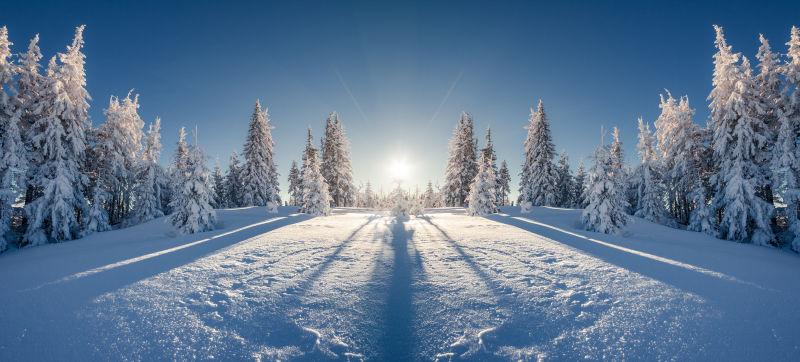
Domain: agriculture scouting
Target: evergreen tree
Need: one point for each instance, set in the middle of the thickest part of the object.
(336, 165)
(461, 164)
(429, 197)
(680, 148)
(736, 142)
(316, 200)
(295, 184)
(259, 176)
(60, 134)
(482, 194)
(565, 185)
(12, 151)
(579, 196)
(401, 206)
(767, 107)
(31, 87)
(219, 189)
(192, 211)
(785, 159)
(503, 184)
(538, 177)
(605, 209)
(649, 190)
(119, 143)
(150, 177)
(370, 199)
(233, 182)
(491, 155)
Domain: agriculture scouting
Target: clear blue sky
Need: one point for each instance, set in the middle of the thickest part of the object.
(388, 68)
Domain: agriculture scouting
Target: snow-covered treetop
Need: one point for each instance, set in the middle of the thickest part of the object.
(6, 67)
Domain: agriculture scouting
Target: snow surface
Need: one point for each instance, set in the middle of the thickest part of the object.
(359, 285)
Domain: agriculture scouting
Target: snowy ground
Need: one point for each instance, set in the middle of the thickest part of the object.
(363, 286)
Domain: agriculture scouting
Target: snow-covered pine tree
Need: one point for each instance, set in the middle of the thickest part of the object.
(605, 197)
(60, 133)
(503, 184)
(218, 181)
(336, 165)
(233, 182)
(461, 164)
(482, 193)
(31, 86)
(768, 105)
(429, 197)
(316, 199)
(150, 177)
(736, 142)
(538, 176)
(119, 143)
(785, 160)
(580, 187)
(647, 179)
(680, 146)
(75, 111)
(295, 183)
(369, 199)
(307, 150)
(192, 211)
(175, 169)
(259, 175)
(401, 206)
(13, 160)
(488, 149)
(565, 184)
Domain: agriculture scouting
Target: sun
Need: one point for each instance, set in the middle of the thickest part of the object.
(399, 169)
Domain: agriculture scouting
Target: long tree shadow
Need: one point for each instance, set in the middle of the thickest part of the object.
(397, 342)
(707, 283)
(487, 279)
(320, 270)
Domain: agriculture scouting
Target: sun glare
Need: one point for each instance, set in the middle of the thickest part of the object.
(399, 169)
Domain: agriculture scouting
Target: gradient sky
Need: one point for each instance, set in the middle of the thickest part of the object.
(399, 73)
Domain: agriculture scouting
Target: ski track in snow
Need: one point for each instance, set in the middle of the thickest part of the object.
(361, 286)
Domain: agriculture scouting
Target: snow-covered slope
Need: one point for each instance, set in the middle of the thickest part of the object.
(363, 286)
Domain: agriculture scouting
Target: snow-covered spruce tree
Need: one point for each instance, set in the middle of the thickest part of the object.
(538, 176)
(316, 199)
(191, 207)
(461, 163)
(482, 193)
(579, 196)
(13, 161)
(605, 197)
(565, 184)
(400, 206)
(149, 177)
(736, 142)
(259, 175)
(503, 184)
(785, 160)
(233, 182)
(647, 179)
(429, 198)
(119, 143)
(369, 200)
(336, 165)
(680, 146)
(31, 86)
(768, 106)
(488, 149)
(295, 183)
(60, 134)
(218, 181)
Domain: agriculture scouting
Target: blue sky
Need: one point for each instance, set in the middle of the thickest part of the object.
(399, 73)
